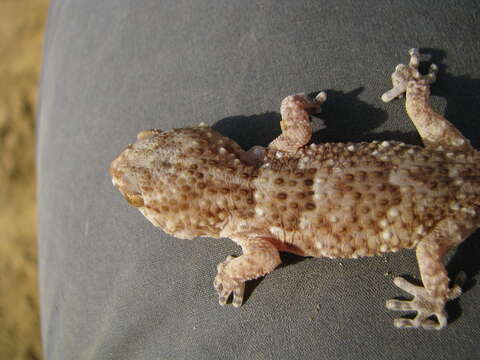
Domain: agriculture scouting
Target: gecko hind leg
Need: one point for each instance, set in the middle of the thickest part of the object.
(434, 129)
(296, 124)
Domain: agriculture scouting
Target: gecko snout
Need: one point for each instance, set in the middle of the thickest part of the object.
(125, 180)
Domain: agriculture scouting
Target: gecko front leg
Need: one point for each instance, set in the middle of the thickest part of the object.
(296, 124)
(259, 258)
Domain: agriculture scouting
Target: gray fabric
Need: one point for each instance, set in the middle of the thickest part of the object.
(114, 287)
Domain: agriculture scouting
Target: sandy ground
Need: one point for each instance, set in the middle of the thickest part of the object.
(21, 32)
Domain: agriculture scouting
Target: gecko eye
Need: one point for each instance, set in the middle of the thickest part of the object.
(148, 134)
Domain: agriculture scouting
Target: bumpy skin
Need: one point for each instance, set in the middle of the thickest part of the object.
(327, 200)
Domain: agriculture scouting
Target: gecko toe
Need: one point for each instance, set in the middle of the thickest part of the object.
(238, 295)
(222, 300)
(461, 278)
(431, 325)
(226, 289)
(399, 305)
(405, 285)
(218, 286)
(402, 323)
(321, 97)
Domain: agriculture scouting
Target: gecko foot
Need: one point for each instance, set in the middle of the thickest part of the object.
(226, 285)
(406, 73)
(424, 303)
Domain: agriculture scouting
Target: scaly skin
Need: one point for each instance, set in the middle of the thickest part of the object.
(327, 200)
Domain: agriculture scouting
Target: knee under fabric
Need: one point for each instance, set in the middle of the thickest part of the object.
(114, 287)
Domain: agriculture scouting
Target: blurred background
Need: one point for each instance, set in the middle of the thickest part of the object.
(21, 35)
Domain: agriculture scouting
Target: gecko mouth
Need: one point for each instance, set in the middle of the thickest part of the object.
(125, 184)
(130, 192)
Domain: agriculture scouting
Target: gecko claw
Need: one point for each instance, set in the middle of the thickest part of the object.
(321, 97)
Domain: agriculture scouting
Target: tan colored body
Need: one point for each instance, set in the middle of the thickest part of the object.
(353, 200)
(328, 200)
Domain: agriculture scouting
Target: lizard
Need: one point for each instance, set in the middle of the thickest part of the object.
(335, 200)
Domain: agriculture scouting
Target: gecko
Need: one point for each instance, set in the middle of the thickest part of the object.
(334, 200)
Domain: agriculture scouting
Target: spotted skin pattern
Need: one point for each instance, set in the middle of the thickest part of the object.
(336, 200)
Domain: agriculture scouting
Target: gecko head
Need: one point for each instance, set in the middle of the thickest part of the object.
(176, 178)
(126, 168)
